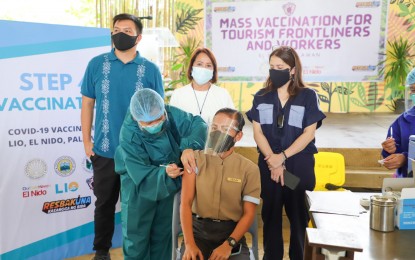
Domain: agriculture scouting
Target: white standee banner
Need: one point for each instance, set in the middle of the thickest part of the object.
(337, 40)
(46, 202)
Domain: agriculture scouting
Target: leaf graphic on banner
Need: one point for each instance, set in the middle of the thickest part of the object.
(187, 20)
(323, 98)
(325, 86)
(373, 101)
(343, 90)
(357, 102)
(250, 85)
(404, 8)
(362, 93)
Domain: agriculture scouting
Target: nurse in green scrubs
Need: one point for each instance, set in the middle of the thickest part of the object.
(154, 140)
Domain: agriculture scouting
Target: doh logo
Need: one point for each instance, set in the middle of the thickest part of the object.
(289, 8)
(66, 205)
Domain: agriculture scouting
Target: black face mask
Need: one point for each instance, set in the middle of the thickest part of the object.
(279, 77)
(123, 41)
(228, 142)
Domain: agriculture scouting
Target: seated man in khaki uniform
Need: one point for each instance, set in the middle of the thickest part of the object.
(219, 199)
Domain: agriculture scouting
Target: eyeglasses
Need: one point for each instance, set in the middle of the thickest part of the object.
(280, 121)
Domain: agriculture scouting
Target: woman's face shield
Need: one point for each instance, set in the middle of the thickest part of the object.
(221, 135)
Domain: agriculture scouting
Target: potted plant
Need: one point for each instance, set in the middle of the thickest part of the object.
(395, 67)
(181, 62)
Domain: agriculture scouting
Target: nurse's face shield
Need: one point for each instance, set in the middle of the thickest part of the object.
(221, 135)
(409, 96)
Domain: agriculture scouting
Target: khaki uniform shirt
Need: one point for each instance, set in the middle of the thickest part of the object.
(223, 185)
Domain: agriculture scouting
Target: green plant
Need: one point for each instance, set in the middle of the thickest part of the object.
(396, 66)
(182, 61)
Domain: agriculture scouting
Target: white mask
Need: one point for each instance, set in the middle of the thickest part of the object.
(201, 75)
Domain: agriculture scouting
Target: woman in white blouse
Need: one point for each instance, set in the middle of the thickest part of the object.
(202, 97)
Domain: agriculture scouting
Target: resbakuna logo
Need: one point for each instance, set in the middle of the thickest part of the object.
(36, 168)
(66, 204)
(65, 166)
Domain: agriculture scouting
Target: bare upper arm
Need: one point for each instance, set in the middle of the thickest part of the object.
(88, 102)
(257, 127)
(188, 188)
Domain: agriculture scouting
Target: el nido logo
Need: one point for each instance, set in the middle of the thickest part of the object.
(35, 191)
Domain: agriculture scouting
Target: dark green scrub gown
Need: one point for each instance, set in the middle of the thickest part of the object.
(146, 190)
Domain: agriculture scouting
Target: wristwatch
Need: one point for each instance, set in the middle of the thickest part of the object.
(231, 241)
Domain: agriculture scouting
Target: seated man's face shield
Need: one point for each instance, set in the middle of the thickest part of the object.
(409, 97)
(221, 135)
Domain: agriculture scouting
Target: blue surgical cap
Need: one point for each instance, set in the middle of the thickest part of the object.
(410, 78)
(146, 105)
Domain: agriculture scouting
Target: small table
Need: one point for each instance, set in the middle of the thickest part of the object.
(335, 242)
(399, 244)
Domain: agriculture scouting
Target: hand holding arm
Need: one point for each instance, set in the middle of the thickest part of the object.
(274, 160)
(188, 160)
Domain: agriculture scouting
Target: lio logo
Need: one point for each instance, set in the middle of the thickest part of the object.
(72, 186)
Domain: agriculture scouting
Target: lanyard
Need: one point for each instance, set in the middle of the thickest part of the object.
(197, 101)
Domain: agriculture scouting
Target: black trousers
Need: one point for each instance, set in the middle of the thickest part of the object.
(210, 234)
(106, 190)
(275, 197)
